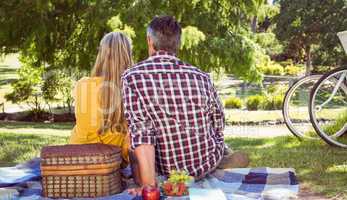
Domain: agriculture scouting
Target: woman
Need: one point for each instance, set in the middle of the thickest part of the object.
(98, 100)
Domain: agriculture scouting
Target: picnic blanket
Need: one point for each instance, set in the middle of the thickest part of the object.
(240, 183)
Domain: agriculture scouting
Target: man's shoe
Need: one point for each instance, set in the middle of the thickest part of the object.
(236, 159)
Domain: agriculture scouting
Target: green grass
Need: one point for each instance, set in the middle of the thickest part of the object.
(32, 128)
(337, 126)
(21, 141)
(16, 148)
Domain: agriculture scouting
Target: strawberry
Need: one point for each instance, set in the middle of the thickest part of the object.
(182, 188)
(168, 188)
(175, 185)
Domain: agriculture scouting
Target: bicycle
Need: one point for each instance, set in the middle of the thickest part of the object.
(328, 107)
(309, 88)
(295, 107)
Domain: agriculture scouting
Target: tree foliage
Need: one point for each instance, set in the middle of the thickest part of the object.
(305, 24)
(27, 88)
(62, 33)
(215, 33)
(66, 33)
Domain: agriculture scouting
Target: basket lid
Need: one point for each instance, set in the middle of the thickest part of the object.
(79, 150)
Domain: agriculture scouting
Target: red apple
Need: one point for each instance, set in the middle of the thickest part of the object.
(150, 193)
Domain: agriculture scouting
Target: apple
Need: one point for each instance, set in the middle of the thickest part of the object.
(150, 193)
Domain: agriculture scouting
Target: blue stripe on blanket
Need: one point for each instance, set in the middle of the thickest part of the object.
(10, 176)
(240, 184)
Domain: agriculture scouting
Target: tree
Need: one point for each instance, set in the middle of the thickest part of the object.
(218, 31)
(66, 34)
(305, 23)
(27, 88)
(57, 33)
(55, 37)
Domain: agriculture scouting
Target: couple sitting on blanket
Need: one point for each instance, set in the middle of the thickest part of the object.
(163, 111)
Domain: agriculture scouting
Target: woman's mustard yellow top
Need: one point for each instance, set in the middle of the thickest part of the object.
(88, 118)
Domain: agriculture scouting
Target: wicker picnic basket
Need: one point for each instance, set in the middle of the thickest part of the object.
(82, 171)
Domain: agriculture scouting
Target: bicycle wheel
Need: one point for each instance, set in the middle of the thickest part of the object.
(328, 107)
(295, 107)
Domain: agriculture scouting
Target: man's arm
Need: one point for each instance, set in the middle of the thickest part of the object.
(218, 117)
(142, 134)
(146, 163)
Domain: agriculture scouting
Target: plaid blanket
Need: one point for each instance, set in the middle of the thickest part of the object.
(240, 184)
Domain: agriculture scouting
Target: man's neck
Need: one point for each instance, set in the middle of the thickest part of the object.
(162, 52)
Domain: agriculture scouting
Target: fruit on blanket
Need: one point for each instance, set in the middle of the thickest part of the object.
(179, 177)
(175, 189)
(150, 193)
(176, 184)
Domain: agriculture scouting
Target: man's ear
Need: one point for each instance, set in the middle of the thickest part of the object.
(148, 40)
(150, 44)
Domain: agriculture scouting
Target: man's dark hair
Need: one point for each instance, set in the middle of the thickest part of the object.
(165, 32)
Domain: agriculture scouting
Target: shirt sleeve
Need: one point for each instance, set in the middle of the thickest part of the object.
(218, 117)
(141, 128)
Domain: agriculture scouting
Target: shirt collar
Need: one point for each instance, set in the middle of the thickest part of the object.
(163, 54)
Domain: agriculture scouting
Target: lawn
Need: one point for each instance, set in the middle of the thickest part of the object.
(31, 128)
(21, 141)
(321, 168)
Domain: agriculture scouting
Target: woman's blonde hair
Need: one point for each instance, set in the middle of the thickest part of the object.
(114, 57)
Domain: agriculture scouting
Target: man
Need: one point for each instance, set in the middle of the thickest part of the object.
(174, 114)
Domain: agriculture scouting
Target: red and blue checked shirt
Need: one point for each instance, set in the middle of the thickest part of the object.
(175, 107)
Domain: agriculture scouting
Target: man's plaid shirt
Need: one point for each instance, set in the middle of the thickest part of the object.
(175, 107)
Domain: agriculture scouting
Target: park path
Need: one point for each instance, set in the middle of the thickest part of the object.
(260, 131)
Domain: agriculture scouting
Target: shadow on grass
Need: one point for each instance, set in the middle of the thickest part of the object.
(37, 125)
(20, 148)
(7, 81)
(7, 75)
(321, 166)
(5, 69)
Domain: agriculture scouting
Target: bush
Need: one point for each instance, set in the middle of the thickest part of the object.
(276, 88)
(58, 87)
(272, 69)
(285, 63)
(321, 69)
(270, 102)
(233, 102)
(293, 70)
(273, 102)
(255, 102)
(27, 88)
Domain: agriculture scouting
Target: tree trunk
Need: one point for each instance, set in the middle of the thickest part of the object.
(254, 24)
(308, 59)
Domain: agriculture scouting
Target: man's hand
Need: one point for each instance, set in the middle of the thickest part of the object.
(145, 156)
